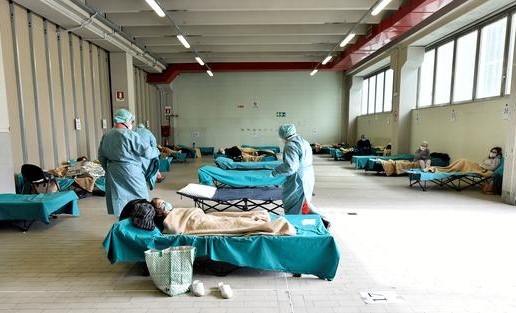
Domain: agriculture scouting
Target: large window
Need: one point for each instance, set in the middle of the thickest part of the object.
(443, 73)
(470, 65)
(490, 63)
(465, 67)
(510, 58)
(426, 79)
(377, 92)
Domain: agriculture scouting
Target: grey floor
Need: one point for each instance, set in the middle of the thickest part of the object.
(440, 251)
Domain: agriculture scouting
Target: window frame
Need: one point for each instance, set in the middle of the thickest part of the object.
(375, 75)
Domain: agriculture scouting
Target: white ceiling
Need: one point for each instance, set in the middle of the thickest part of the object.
(243, 30)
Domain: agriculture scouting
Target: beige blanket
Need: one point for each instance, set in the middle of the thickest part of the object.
(194, 221)
(463, 166)
(397, 167)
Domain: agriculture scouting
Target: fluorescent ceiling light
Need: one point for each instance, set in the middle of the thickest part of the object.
(183, 41)
(199, 60)
(209, 72)
(377, 9)
(347, 39)
(155, 6)
(313, 72)
(326, 60)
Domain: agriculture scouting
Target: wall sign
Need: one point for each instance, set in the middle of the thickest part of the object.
(281, 114)
(77, 123)
(104, 123)
(168, 110)
(120, 96)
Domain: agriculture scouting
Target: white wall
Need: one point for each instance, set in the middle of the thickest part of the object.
(376, 127)
(477, 128)
(209, 107)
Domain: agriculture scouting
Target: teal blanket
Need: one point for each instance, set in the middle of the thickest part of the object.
(37, 207)
(228, 164)
(311, 251)
(255, 178)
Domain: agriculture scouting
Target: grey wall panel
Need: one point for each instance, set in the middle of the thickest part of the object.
(141, 98)
(11, 85)
(105, 85)
(67, 93)
(42, 96)
(79, 94)
(56, 93)
(97, 95)
(88, 100)
(25, 84)
(137, 105)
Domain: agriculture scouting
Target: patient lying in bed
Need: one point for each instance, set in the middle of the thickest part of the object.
(484, 168)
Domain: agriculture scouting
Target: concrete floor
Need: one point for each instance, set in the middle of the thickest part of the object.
(440, 250)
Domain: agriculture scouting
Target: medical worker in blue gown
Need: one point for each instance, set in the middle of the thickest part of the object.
(120, 153)
(148, 137)
(299, 172)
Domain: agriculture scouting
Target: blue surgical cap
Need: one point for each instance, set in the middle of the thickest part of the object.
(123, 116)
(286, 130)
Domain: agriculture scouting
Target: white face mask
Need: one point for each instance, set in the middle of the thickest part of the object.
(422, 148)
(492, 155)
(167, 207)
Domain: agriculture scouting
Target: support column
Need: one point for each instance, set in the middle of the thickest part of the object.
(122, 80)
(509, 170)
(353, 108)
(405, 62)
(6, 161)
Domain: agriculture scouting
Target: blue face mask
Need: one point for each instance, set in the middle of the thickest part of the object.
(167, 206)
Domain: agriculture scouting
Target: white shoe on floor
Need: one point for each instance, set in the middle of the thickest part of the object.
(225, 290)
(198, 288)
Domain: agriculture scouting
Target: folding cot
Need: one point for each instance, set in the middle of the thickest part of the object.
(374, 164)
(274, 149)
(311, 251)
(165, 164)
(360, 161)
(215, 176)
(229, 164)
(36, 207)
(245, 199)
(455, 180)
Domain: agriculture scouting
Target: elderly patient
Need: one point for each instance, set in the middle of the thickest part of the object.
(484, 168)
(193, 221)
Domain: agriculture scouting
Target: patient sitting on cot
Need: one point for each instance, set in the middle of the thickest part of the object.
(484, 168)
(193, 221)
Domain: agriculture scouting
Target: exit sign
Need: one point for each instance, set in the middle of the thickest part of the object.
(281, 114)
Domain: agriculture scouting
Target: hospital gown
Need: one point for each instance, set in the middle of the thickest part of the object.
(299, 172)
(120, 153)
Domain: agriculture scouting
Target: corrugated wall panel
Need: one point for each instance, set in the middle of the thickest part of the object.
(26, 85)
(105, 85)
(96, 94)
(82, 147)
(56, 93)
(11, 85)
(89, 114)
(42, 98)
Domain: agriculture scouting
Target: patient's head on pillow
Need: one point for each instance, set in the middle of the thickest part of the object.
(161, 206)
(495, 152)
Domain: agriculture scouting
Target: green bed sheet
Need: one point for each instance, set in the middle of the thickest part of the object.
(311, 251)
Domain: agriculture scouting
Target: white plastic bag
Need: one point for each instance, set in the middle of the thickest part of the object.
(171, 269)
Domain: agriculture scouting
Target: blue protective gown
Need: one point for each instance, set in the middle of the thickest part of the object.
(148, 137)
(120, 154)
(299, 172)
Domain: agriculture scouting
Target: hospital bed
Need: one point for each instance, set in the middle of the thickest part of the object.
(245, 199)
(455, 180)
(215, 176)
(229, 164)
(26, 209)
(374, 164)
(360, 161)
(311, 251)
(274, 149)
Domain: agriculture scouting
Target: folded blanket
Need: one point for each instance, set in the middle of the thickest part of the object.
(194, 221)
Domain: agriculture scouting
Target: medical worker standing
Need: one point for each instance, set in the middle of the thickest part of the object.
(148, 137)
(120, 153)
(299, 172)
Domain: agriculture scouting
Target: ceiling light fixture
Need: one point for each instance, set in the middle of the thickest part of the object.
(156, 7)
(209, 73)
(379, 7)
(347, 40)
(182, 39)
(326, 60)
(199, 60)
(312, 73)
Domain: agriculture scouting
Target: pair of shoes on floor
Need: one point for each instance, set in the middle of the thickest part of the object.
(198, 289)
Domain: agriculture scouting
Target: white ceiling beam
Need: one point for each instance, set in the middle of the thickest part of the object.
(247, 48)
(338, 29)
(243, 18)
(247, 58)
(127, 6)
(151, 42)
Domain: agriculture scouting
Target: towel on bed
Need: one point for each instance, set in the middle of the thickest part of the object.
(462, 166)
(194, 221)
